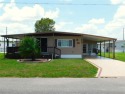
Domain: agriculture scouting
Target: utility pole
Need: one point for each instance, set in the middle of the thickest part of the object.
(6, 30)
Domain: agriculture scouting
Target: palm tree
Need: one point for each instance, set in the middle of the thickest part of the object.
(29, 48)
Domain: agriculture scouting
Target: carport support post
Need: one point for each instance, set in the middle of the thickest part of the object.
(109, 49)
(114, 49)
(7, 42)
(54, 45)
(4, 47)
(100, 49)
(82, 46)
(104, 48)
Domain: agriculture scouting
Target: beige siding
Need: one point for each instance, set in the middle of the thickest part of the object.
(77, 50)
(51, 42)
(73, 50)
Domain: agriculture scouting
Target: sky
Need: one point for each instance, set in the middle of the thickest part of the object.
(96, 17)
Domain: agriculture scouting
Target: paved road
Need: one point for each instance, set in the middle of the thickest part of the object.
(109, 67)
(62, 86)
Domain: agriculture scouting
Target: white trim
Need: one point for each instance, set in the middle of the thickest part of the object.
(71, 56)
(65, 46)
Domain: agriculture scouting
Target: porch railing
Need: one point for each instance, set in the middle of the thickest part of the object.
(12, 49)
(55, 51)
(51, 50)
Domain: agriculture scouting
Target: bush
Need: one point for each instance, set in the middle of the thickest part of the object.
(29, 47)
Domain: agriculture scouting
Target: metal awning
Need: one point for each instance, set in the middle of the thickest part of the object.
(58, 33)
(97, 38)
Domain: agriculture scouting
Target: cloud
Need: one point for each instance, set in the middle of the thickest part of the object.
(120, 14)
(106, 29)
(51, 14)
(117, 1)
(86, 28)
(112, 28)
(1, 5)
(91, 27)
(62, 25)
(22, 20)
(97, 21)
(116, 25)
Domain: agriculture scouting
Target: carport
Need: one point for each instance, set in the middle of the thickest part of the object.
(102, 41)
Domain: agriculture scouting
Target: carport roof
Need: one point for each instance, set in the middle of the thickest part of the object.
(58, 33)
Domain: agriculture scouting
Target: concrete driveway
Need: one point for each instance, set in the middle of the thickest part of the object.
(108, 67)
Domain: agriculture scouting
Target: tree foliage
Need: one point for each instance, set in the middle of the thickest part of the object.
(29, 47)
(44, 25)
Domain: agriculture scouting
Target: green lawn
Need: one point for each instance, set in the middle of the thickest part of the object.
(57, 68)
(118, 55)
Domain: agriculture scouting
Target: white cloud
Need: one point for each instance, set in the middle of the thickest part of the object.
(116, 25)
(97, 21)
(87, 29)
(51, 14)
(62, 25)
(91, 27)
(113, 28)
(117, 1)
(22, 20)
(1, 5)
(120, 14)
(107, 29)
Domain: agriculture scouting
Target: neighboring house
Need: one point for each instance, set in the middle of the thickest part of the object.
(62, 44)
(119, 46)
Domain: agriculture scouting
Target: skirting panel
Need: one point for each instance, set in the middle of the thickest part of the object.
(71, 56)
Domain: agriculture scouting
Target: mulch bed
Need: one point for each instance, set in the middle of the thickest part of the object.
(36, 61)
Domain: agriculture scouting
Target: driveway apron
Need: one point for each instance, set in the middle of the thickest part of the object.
(108, 67)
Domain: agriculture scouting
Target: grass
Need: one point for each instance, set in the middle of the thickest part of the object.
(76, 68)
(118, 56)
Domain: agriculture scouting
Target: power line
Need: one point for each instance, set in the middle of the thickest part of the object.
(46, 3)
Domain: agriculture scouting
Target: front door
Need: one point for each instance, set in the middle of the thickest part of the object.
(85, 49)
(43, 44)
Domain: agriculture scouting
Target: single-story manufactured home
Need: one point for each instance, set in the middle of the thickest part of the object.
(60, 44)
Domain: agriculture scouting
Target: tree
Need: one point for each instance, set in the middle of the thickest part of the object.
(29, 47)
(44, 25)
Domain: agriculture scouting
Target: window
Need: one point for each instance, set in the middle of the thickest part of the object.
(65, 43)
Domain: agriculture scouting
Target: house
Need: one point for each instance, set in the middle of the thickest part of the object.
(119, 46)
(60, 44)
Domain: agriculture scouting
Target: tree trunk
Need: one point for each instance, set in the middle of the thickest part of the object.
(33, 57)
